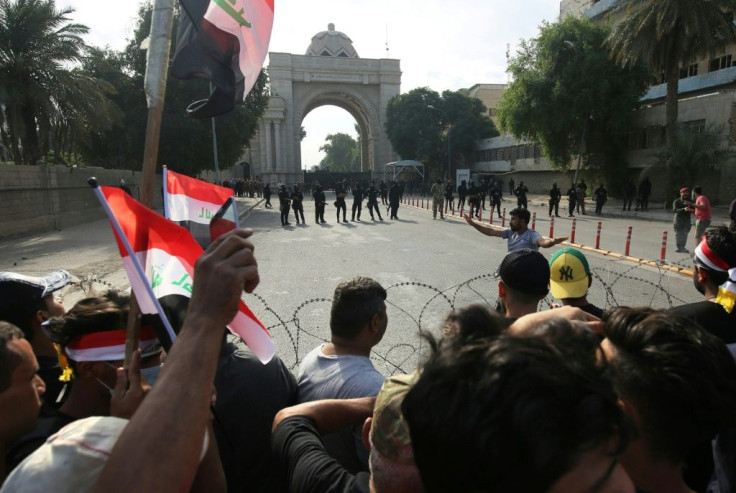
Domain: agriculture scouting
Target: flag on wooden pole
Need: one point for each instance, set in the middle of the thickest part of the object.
(225, 41)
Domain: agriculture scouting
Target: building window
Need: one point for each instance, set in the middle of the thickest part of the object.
(719, 63)
(689, 71)
(694, 126)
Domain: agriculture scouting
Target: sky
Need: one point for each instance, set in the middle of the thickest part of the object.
(441, 45)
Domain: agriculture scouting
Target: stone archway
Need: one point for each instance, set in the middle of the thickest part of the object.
(331, 73)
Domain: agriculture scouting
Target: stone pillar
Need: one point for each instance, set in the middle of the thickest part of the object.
(277, 156)
(269, 151)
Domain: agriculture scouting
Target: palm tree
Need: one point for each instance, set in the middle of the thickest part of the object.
(665, 34)
(43, 94)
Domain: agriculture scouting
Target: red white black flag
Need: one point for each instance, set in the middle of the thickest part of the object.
(225, 41)
(159, 257)
(206, 210)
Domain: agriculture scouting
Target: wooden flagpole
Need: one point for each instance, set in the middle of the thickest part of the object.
(157, 62)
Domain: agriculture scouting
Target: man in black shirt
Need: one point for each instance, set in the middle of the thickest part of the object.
(714, 259)
(319, 204)
(357, 201)
(554, 200)
(372, 194)
(304, 465)
(26, 302)
(297, 197)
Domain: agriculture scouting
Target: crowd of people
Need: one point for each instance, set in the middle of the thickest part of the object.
(576, 398)
(389, 194)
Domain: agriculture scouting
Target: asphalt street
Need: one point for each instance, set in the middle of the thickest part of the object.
(428, 267)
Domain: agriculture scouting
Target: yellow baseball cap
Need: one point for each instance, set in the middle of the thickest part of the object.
(569, 274)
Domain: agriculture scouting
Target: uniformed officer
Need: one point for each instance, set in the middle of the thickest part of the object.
(319, 204)
(372, 194)
(341, 193)
(296, 203)
(284, 203)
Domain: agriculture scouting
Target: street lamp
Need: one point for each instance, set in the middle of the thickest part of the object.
(449, 127)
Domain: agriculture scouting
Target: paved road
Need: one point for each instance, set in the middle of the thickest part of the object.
(428, 267)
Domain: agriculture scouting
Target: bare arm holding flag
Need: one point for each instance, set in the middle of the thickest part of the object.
(160, 448)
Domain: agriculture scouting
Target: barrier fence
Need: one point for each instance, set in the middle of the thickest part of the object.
(415, 305)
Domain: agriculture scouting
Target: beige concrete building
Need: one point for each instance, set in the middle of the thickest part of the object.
(707, 98)
(489, 94)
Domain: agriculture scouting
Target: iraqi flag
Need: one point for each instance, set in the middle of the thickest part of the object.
(159, 257)
(206, 210)
(225, 41)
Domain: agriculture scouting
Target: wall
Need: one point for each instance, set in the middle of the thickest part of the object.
(43, 198)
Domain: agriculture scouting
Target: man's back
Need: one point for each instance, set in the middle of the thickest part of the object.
(339, 377)
(336, 377)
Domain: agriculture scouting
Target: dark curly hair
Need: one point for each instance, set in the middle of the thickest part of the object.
(512, 414)
(680, 379)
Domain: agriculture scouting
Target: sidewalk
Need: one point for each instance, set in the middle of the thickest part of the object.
(613, 208)
(247, 204)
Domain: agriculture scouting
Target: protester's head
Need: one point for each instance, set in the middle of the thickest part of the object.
(357, 305)
(72, 458)
(26, 301)
(684, 192)
(439, 181)
(92, 335)
(386, 434)
(677, 381)
(519, 219)
(527, 412)
(715, 255)
(524, 281)
(20, 387)
(474, 321)
(569, 274)
(554, 185)
(697, 191)
(296, 187)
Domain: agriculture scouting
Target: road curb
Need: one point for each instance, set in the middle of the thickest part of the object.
(607, 253)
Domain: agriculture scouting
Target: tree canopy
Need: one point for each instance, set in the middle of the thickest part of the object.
(669, 33)
(185, 143)
(48, 103)
(565, 84)
(421, 133)
(79, 104)
(342, 153)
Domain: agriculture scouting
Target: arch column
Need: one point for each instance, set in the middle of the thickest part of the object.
(279, 164)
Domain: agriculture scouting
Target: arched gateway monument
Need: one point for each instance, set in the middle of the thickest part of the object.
(330, 73)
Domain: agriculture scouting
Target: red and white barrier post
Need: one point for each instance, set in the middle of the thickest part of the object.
(663, 252)
(490, 216)
(551, 227)
(534, 220)
(598, 236)
(572, 233)
(628, 241)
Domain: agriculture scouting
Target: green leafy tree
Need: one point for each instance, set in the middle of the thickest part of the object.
(48, 103)
(566, 85)
(342, 153)
(419, 132)
(665, 34)
(690, 154)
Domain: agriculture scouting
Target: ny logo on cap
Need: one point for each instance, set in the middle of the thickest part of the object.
(566, 273)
